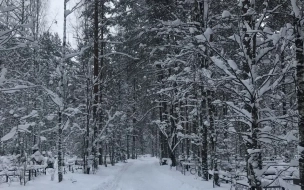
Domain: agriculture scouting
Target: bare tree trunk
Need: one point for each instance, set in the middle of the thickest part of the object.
(61, 95)
(105, 155)
(300, 94)
(188, 130)
(87, 129)
(134, 121)
(101, 153)
(200, 14)
(173, 134)
(213, 137)
(133, 145)
(128, 146)
(204, 136)
(96, 84)
(113, 151)
(60, 175)
(100, 78)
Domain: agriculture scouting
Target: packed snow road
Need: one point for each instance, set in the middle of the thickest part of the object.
(146, 174)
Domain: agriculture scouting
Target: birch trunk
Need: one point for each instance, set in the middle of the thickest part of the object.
(253, 152)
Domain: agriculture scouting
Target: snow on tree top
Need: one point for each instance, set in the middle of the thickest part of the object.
(226, 14)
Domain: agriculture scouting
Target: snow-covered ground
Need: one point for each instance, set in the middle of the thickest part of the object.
(141, 174)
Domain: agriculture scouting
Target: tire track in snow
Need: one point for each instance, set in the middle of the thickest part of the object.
(113, 184)
(118, 177)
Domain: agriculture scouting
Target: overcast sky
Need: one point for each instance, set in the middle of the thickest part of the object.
(55, 13)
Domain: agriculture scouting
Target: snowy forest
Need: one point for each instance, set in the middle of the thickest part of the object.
(189, 94)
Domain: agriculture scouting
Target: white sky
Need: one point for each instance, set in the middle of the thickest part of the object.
(55, 13)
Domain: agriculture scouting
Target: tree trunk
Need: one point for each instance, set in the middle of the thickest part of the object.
(254, 161)
(300, 95)
(213, 137)
(173, 134)
(204, 136)
(96, 81)
(102, 44)
(128, 146)
(87, 141)
(105, 155)
(60, 175)
(134, 120)
(100, 154)
(61, 95)
(133, 145)
(173, 159)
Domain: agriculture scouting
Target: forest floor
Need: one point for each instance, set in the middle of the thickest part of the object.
(141, 174)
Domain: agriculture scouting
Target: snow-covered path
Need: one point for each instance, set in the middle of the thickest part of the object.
(141, 174)
(146, 174)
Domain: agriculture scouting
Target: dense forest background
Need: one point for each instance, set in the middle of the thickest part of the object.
(218, 81)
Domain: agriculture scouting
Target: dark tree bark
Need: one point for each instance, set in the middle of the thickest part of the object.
(134, 121)
(102, 45)
(60, 174)
(300, 94)
(96, 81)
(213, 136)
(173, 134)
